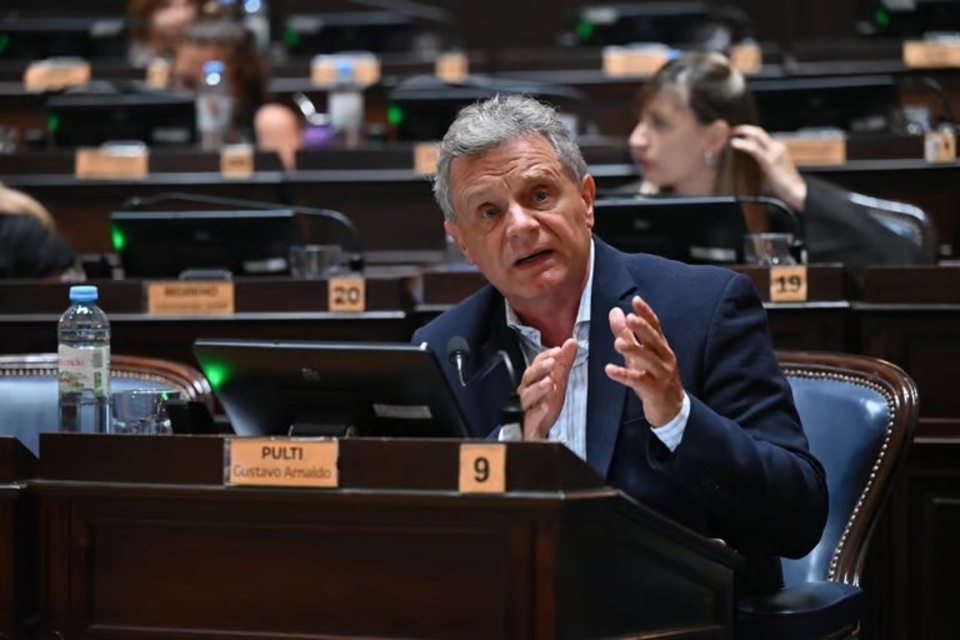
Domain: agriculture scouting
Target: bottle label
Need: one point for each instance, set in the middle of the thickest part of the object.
(84, 368)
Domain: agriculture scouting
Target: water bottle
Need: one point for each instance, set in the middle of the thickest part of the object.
(83, 337)
(346, 104)
(214, 106)
(256, 20)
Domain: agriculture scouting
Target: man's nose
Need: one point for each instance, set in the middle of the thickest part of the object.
(639, 136)
(520, 221)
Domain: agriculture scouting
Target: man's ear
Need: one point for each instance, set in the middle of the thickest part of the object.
(453, 230)
(588, 193)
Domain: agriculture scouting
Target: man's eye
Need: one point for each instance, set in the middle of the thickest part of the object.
(540, 195)
(489, 212)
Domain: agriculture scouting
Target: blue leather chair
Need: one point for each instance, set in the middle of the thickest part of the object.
(859, 415)
(28, 389)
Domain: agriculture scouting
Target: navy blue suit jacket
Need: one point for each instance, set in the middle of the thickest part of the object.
(743, 471)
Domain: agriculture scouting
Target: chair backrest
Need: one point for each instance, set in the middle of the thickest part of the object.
(903, 219)
(28, 389)
(859, 415)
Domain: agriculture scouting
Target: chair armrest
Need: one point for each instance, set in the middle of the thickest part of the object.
(804, 612)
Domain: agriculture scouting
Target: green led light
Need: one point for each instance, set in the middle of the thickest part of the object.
(394, 115)
(584, 30)
(291, 38)
(217, 374)
(882, 17)
(119, 240)
(53, 123)
(4, 42)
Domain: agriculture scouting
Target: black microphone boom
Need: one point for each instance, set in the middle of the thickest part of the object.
(458, 353)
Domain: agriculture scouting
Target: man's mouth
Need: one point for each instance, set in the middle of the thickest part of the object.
(533, 258)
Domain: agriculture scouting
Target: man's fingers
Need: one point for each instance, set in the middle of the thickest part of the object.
(642, 309)
(536, 393)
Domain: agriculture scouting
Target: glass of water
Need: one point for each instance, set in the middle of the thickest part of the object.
(141, 411)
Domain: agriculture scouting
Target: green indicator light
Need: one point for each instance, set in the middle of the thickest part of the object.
(585, 30)
(119, 240)
(394, 115)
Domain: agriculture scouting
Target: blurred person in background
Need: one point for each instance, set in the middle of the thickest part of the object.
(157, 25)
(273, 126)
(698, 135)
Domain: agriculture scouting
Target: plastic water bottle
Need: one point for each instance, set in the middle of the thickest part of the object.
(256, 20)
(83, 335)
(346, 104)
(214, 106)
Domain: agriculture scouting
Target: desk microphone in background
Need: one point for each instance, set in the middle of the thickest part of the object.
(511, 413)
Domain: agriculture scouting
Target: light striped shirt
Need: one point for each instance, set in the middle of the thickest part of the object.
(571, 425)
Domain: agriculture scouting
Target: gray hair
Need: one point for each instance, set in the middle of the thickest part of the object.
(488, 124)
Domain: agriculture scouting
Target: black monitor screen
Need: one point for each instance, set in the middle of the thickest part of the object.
(373, 31)
(673, 23)
(163, 244)
(156, 119)
(423, 107)
(36, 38)
(324, 388)
(692, 230)
(852, 103)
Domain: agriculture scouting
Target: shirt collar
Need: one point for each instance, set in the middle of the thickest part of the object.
(583, 313)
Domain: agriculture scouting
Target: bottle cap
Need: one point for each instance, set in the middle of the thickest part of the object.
(213, 66)
(83, 293)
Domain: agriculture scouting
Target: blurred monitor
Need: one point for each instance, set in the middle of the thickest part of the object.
(706, 230)
(39, 38)
(851, 103)
(325, 388)
(912, 18)
(91, 118)
(373, 31)
(423, 107)
(164, 244)
(672, 23)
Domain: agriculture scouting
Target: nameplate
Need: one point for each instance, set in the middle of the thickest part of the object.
(363, 70)
(452, 67)
(816, 150)
(50, 75)
(747, 58)
(236, 161)
(111, 164)
(347, 294)
(788, 284)
(621, 62)
(939, 147)
(425, 158)
(483, 468)
(158, 74)
(281, 462)
(931, 54)
(190, 298)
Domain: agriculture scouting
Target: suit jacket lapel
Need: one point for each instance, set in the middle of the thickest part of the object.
(612, 286)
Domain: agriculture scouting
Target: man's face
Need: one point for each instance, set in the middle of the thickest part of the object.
(523, 220)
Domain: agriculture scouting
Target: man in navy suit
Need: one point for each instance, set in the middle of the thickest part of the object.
(660, 375)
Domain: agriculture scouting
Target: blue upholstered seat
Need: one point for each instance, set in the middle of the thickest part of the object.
(28, 389)
(859, 414)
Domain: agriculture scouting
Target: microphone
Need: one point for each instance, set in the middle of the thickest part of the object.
(458, 353)
(356, 260)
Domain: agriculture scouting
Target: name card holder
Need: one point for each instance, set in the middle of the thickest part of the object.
(112, 163)
(483, 468)
(940, 146)
(236, 161)
(825, 150)
(158, 73)
(359, 69)
(747, 58)
(932, 54)
(54, 74)
(452, 67)
(620, 62)
(281, 462)
(347, 294)
(425, 158)
(788, 284)
(190, 298)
